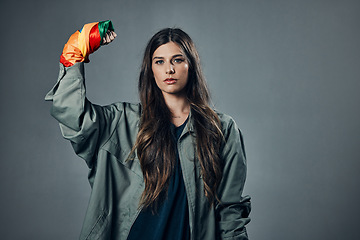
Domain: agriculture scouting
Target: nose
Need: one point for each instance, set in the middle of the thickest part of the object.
(170, 69)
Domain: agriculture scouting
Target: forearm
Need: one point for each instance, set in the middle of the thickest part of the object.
(233, 209)
(80, 121)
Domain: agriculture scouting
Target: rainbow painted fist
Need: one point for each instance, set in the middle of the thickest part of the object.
(86, 41)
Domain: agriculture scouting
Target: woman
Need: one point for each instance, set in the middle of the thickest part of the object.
(169, 167)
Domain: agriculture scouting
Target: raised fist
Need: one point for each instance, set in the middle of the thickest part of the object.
(86, 41)
(109, 37)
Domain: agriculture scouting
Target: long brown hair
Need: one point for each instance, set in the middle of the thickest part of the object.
(154, 143)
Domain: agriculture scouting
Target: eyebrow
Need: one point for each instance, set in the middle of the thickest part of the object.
(176, 55)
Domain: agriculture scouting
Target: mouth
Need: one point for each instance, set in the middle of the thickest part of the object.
(170, 80)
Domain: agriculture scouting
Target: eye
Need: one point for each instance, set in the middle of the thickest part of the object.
(159, 62)
(178, 60)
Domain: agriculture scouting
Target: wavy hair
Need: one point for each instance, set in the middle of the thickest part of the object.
(154, 143)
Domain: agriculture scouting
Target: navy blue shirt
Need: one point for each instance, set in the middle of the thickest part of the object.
(171, 221)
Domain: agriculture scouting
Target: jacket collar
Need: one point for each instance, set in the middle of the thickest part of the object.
(189, 127)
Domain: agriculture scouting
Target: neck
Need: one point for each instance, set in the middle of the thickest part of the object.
(177, 104)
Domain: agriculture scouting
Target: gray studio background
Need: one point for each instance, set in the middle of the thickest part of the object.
(286, 70)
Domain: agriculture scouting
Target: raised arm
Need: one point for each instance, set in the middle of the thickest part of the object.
(80, 121)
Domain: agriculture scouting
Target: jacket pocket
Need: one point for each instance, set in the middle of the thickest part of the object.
(98, 231)
(122, 156)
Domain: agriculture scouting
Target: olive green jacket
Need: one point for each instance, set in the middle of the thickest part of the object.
(104, 137)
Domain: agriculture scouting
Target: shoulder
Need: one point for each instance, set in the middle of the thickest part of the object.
(232, 135)
(113, 114)
(228, 124)
(122, 124)
(129, 109)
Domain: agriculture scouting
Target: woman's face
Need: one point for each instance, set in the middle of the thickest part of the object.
(170, 68)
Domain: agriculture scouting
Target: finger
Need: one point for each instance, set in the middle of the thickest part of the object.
(104, 42)
(111, 36)
(107, 38)
(114, 35)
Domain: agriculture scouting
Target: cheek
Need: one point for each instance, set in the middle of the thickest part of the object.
(155, 73)
(157, 76)
(186, 69)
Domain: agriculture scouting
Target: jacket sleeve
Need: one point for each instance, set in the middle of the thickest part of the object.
(233, 211)
(80, 121)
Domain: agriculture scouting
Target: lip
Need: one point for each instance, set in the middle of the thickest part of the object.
(170, 80)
